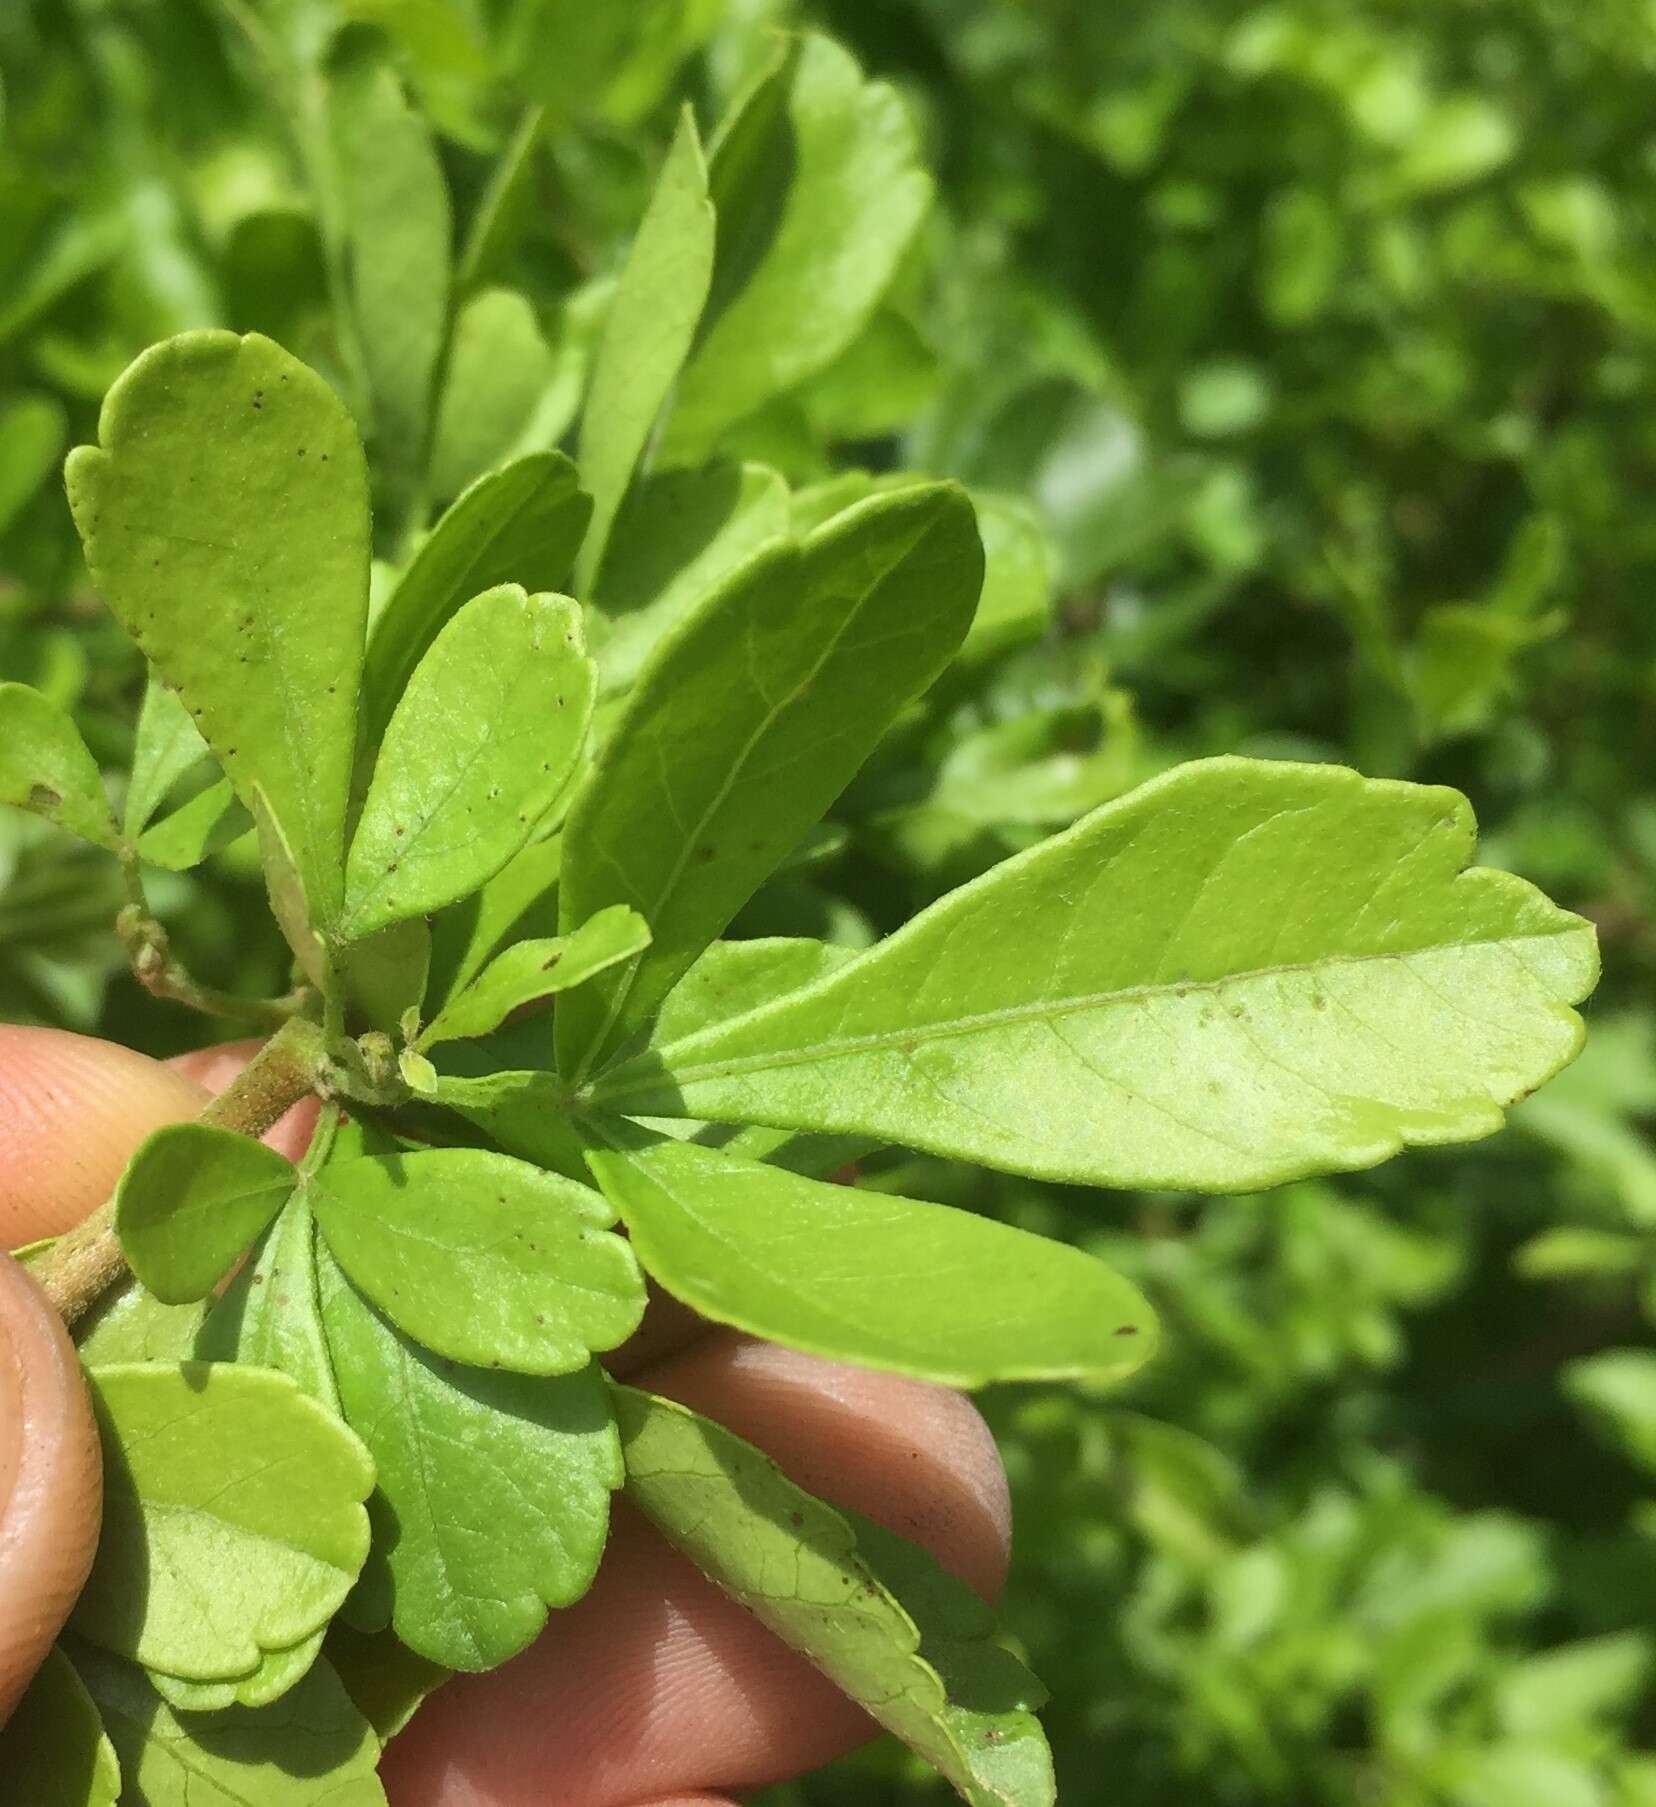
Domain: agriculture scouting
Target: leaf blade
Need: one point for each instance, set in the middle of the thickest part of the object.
(1132, 914)
(747, 723)
(46, 768)
(482, 741)
(190, 1200)
(867, 1278)
(200, 515)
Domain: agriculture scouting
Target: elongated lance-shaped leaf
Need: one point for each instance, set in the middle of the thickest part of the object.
(529, 970)
(493, 1500)
(646, 334)
(1240, 973)
(746, 724)
(484, 738)
(225, 518)
(312, 1748)
(398, 233)
(233, 1517)
(878, 1616)
(865, 1277)
(191, 1199)
(45, 767)
(546, 1284)
(819, 191)
(54, 1747)
(517, 525)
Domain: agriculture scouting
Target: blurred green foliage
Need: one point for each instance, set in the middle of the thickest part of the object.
(1303, 359)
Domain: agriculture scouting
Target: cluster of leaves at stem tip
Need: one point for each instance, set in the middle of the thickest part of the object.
(506, 813)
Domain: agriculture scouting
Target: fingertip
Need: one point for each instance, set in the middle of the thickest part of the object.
(916, 1458)
(75, 1108)
(51, 1494)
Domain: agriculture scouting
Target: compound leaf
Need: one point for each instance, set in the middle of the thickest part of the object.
(493, 1499)
(225, 518)
(233, 1517)
(646, 334)
(864, 1277)
(45, 767)
(546, 1282)
(890, 1628)
(482, 741)
(744, 727)
(1241, 973)
(529, 970)
(191, 1199)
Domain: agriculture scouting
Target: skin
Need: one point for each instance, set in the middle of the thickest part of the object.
(655, 1690)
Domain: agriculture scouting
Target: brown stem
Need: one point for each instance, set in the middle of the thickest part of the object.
(83, 1264)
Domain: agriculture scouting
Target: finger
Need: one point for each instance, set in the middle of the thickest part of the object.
(51, 1493)
(214, 1068)
(657, 1687)
(73, 1109)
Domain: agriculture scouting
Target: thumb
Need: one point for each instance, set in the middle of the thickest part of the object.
(51, 1492)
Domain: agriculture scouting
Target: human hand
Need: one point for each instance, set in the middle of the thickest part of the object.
(651, 1691)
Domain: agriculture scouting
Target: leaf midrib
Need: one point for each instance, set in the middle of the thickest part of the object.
(1040, 1011)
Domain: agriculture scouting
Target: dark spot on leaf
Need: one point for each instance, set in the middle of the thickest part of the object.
(1237, 1010)
(1127, 1330)
(704, 854)
(42, 796)
(798, 1518)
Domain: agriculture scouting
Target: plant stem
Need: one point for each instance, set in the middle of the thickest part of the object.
(83, 1264)
(153, 966)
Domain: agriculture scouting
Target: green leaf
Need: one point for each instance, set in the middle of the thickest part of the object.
(212, 819)
(1240, 973)
(1617, 1387)
(384, 1678)
(385, 974)
(46, 769)
(818, 189)
(519, 903)
(270, 1315)
(1016, 605)
(276, 1674)
(733, 977)
(680, 533)
(167, 746)
(32, 432)
(225, 517)
(54, 1751)
(498, 366)
(518, 525)
(131, 1325)
(904, 1639)
(545, 1283)
(397, 232)
(484, 738)
(233, 1520)
(494, 1488)
(864, 1277)
(646, 335)
(529, 970)
(506, 205)
(312, 1748)
(747, 724)
(191, 1199)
